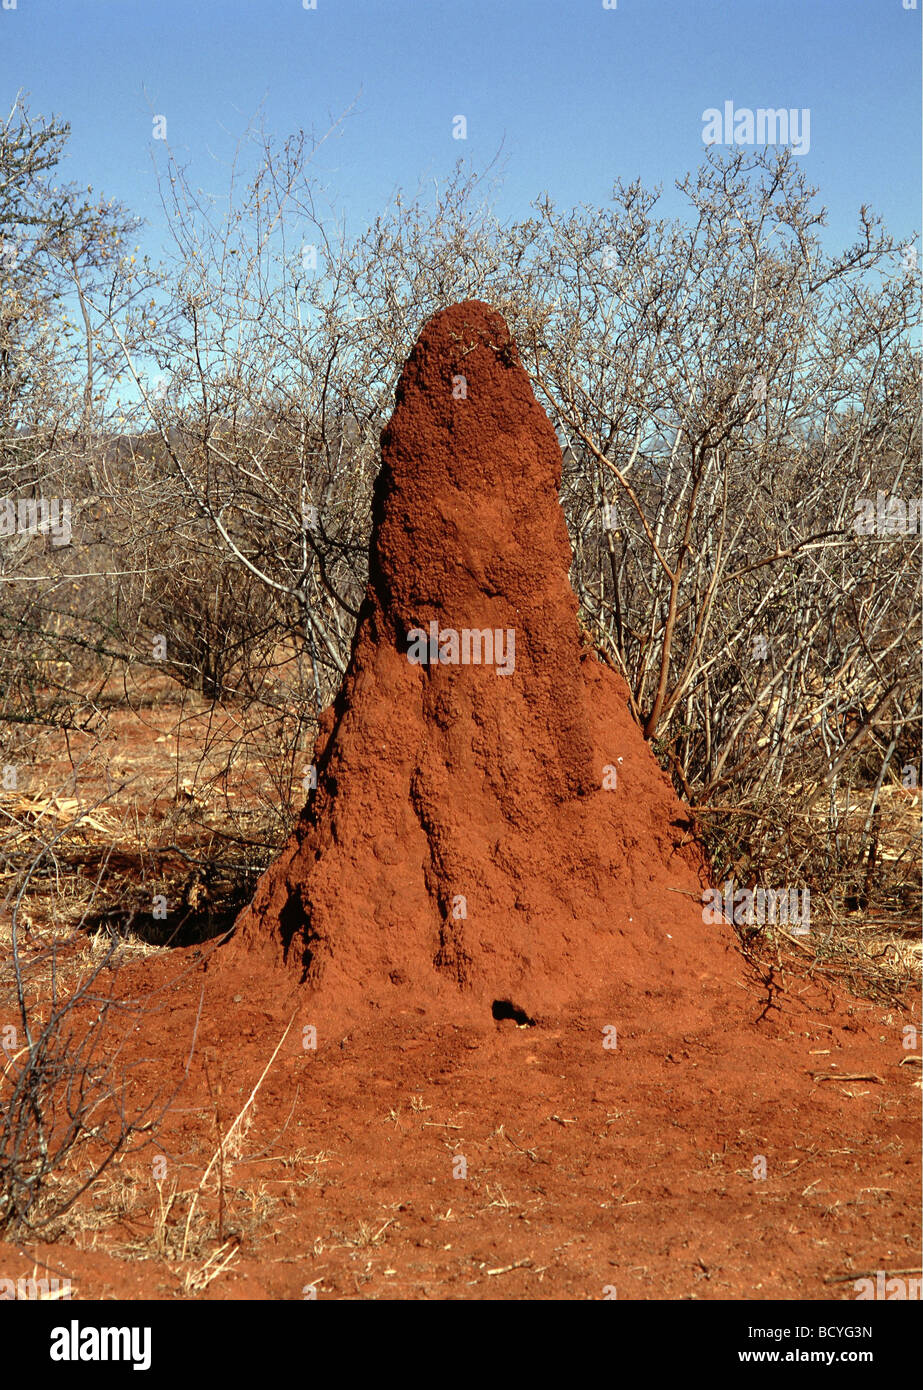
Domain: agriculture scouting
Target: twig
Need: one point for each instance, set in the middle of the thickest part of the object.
(505, 1269)
(836, 1076)
(870, 1274)
(224, 1141)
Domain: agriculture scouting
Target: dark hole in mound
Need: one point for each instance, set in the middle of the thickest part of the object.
(505, 1008)
(293, 924)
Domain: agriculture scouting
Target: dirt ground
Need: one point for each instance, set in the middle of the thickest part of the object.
(401, 1157)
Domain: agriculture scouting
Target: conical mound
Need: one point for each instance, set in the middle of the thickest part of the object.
(488, 824)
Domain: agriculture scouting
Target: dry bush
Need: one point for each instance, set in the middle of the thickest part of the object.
(726, 391)
(66, 1111)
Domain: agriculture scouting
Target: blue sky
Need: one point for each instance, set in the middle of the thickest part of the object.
(575, 94)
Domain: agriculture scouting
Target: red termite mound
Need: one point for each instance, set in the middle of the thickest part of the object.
(488, 826)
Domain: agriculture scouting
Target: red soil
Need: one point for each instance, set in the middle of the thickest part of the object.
(635, 1168)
